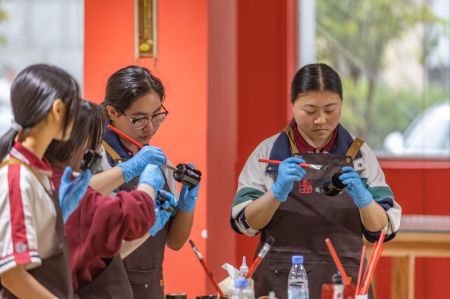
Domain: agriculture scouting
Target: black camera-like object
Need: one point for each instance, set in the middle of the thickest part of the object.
(187, 175)
(91, 160)
(333, 186)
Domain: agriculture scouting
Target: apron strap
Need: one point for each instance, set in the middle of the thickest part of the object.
(290, 134)
(12, 161)
(354, 148)
(114, 155)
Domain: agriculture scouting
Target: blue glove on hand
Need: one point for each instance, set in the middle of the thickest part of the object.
(162, 216)
(152, 176)
(71, 192)
(188, 197)
(355, 187)
(288, 172)
(147, 155)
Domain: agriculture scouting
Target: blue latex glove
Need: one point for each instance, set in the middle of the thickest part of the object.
(188, 197)
(288, 172)
(152, 176)
(355, 187)
(71, 192)
(147, 155)
(162, 216)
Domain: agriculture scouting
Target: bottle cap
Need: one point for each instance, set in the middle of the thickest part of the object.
(244, 268)
(297, 259)
(240, 283)
(337, 278)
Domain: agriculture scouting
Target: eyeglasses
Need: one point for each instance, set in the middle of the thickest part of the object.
(142, 122)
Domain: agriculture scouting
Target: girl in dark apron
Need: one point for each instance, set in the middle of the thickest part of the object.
(98, 226)
(133, 103)
(290, 203)
(34, 261)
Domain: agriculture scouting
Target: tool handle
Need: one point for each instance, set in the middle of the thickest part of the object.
(125, 136)
(211, 278)
(304, 165)
(254, 267)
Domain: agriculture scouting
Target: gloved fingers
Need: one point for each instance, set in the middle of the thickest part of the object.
(66, 177)
(183, 193)
(349, 182)
(294, 171)
(170, 198)
(295, 178)
(347, 169)
(293, 160)
(349, 175)
(86, 176)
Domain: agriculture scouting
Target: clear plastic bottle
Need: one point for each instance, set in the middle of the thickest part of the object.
(298, 280)
(242, 290)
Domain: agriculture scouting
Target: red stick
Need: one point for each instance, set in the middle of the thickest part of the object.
(209, 273)
(337, 261)
(361, 265)
(125, 136)
(372, 264)
(367, 265)
(253, 267)
(261, 254)
(304, 165)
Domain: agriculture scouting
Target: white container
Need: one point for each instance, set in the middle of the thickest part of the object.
(362, 296)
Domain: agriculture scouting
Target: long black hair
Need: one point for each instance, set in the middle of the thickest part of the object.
(315, 77)
(33, 93)
(88, 127)
(129, 84)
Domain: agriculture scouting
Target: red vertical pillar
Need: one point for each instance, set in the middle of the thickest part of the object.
(251, 60)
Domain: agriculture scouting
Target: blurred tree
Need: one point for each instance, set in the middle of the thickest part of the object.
(3, 17)
(353, 36)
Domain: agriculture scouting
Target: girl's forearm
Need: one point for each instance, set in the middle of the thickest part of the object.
(23, 285)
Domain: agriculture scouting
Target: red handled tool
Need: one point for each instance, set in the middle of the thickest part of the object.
(304, 165)
(262, 253)
(209, 273)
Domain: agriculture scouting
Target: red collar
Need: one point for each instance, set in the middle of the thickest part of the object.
(26, 156)
(305, 147)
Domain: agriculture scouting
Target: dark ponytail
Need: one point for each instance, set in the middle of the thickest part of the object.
(33, 93)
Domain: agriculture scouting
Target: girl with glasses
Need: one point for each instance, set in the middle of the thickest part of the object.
(133, 104)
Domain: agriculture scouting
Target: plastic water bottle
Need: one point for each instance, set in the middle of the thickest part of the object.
(298, 280)
(242, 290)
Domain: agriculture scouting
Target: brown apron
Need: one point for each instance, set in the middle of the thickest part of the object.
(54, 272)
(111, 282)
(144, 265)
(300, 227)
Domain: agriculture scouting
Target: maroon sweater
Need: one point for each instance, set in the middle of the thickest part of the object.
(97, 227)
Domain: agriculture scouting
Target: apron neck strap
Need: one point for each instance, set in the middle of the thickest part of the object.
(290, 134)
(354, 148)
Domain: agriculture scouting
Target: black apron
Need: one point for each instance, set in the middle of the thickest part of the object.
(54, 272)
(144, 266)
(111, 282)
(300, 227)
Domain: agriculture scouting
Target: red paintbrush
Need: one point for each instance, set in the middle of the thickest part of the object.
(125, 136)
(209, 273)
(304, 165)
(337, 261)
(262, 253)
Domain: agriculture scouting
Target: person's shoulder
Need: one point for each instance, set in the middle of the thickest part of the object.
(269, 142)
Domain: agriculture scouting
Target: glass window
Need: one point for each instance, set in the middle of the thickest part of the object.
(45, 31)
(393, 57)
